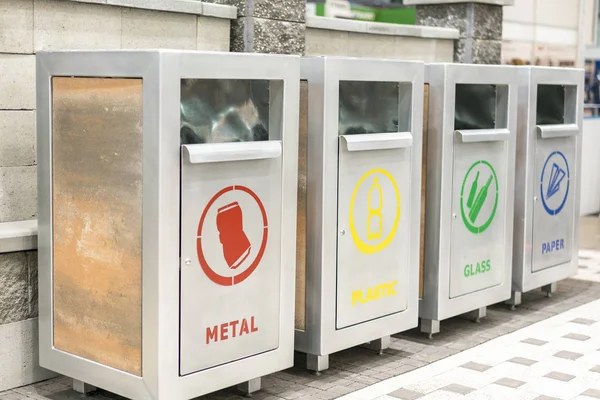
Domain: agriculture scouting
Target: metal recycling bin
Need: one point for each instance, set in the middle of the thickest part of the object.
(166, 252)
(546, 234)
(360, 173)
(471, 135)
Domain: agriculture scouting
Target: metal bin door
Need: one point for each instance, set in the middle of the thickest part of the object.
(554, 188)
(478, 211)
(230, 252)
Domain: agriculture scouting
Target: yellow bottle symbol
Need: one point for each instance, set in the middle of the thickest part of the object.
(375, 220)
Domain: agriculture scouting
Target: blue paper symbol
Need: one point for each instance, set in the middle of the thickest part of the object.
(556, 176)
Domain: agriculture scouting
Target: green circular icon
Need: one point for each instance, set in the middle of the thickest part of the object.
(478, 202)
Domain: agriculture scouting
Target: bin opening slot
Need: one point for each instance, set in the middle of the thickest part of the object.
(230, 110)
(550, 105)
(480, 106)
(367, 107)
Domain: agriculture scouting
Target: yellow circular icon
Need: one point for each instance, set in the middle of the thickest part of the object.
(374, 230)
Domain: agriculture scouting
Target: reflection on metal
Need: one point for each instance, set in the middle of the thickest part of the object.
(368, 107)
(550, 105)
(224, 110)
(475, 107)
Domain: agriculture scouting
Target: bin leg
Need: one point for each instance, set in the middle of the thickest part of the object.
(249, 387)
(515, 299)
(82, 387)
(379, 345)
(317, 363)
(476, 315)
(430, 326)
(549, 289)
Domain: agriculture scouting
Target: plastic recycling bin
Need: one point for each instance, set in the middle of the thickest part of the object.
(165, 249)
(360, 173)
(470, 182)
(546, 234)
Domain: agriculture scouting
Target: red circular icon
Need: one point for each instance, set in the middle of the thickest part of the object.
(236, 247)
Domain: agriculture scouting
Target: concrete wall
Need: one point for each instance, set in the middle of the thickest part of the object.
(369, 39)
(28, 26)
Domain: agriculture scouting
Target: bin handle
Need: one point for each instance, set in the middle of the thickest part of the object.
(483, 135)
(223, 152)
(557, 131)
(378, 141)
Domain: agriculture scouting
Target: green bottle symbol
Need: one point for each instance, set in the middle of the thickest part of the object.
(475, 203)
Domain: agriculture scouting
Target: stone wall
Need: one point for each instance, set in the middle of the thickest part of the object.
(367, 39)
(28, 26)
(479, 27)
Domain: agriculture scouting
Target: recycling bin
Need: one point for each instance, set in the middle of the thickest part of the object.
(546, 234)
(360, 171)
(166, 255)
(470, 182)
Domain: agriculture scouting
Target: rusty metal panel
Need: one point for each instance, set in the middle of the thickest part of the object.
(97, 219)
(300, 316)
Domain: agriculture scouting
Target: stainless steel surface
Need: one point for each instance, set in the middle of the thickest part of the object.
(546, 242)
(368, 115)
(454, 283)
(483, 135)
(478, 256)
(162, 72)
(239, 264)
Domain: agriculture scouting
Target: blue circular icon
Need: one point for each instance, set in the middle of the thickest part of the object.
(554, 183)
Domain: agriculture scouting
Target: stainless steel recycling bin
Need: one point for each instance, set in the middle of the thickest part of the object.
(471, 134)
(546, 234)
(359, 203)
(166, 248)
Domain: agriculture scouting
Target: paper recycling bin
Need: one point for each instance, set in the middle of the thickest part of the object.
(546, 224)
(360, 172)
(166, 252)
(470, 182)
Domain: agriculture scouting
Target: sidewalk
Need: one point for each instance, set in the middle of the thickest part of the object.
(509, 355)
(558, 358)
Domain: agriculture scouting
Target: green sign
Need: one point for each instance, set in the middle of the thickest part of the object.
(479, 197)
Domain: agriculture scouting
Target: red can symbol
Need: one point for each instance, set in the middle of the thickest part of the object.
(230, 224)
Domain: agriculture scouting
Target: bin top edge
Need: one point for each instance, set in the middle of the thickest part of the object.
(121, 52)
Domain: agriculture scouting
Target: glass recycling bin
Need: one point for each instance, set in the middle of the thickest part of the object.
(359, 192)
(469, 192)
(546, 234)
(166, 254)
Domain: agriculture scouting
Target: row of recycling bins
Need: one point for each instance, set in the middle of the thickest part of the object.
(203, 215)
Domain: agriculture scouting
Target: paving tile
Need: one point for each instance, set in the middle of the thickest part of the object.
(535, 342)
(511, 383)
(595, 369)
(405, 394)
(559, 376)
(593, 393)
(456, 388)
(476, 366)
(576, 336)
(583, 321)
(569, 355)
(523, 361)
